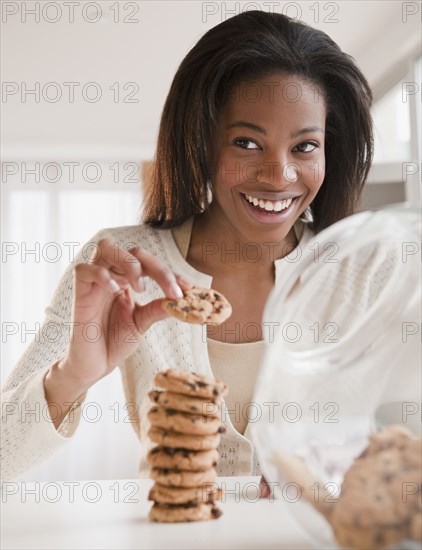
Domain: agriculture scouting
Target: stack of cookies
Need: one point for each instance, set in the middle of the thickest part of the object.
(186, 425)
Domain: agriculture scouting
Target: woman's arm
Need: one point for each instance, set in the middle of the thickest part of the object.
(38, 413)
(43, 394)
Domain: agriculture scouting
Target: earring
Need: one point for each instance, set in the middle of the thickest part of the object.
(209, 192)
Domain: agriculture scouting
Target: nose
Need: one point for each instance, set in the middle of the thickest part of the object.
(278, 174)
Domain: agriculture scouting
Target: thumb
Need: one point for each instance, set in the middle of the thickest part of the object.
(145, 316)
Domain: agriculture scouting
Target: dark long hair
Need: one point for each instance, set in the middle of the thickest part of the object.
(246, 47)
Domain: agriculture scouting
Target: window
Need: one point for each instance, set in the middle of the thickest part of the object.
(39, 221)
(394, 176)
(392, 127)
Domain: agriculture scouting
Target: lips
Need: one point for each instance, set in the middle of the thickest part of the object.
(268, 214)
(267, 204)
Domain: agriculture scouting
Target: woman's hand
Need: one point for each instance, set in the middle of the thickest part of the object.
(106, 322)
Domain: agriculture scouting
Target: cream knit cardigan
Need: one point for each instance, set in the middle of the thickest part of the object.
(28, 439)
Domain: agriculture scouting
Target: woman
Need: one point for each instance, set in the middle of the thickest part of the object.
(265, 139)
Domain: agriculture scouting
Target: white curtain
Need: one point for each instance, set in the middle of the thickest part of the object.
(43, 225)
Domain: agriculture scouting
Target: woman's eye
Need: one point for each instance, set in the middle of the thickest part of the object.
(246, 143)
(306, 147)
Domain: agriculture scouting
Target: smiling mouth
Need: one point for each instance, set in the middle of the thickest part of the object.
(268, 206)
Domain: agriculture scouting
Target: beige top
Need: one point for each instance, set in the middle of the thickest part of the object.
(236, 364)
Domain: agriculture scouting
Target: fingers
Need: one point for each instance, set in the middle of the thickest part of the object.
(184, 283)
(154, 268)
(145, 316)
(134, 264)
(89, 274)
(123, 266)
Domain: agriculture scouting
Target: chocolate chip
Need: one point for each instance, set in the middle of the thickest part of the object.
(222, 429)
(215, 392)
(189, 504)
(170, 451)
(389, 476)
(202, 384)
(379, 539)
(170, 412)
(356, 522)
(216, 513)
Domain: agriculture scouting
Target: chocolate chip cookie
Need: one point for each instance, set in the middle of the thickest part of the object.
(182, 459)
(175, 478)
(163, 494)
(169, 438)
(199, 306)
(185, 403)
(185, 423)
(379, 504)
(192, 384)
(174, 513)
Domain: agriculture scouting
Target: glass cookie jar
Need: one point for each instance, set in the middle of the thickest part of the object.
(343, 343)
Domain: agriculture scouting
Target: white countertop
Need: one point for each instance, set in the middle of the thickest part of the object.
(114, 514)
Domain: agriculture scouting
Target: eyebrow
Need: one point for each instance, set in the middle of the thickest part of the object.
(261, 130)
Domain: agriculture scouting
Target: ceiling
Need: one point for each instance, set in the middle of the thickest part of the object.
(111, 53)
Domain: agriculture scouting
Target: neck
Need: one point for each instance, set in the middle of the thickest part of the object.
(222, 246)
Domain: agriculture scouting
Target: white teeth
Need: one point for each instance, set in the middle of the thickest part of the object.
(268, 205)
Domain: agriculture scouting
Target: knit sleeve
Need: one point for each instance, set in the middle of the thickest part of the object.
(28, 435)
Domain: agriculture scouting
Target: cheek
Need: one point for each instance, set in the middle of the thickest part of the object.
(313, 174)
(227, 173)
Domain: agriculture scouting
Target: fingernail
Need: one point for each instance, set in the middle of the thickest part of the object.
(177, 290)
(184, 280)
(114, 285)
(141, 284)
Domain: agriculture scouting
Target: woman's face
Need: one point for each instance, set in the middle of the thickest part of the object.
(269, 156)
